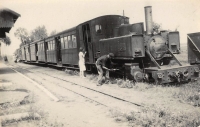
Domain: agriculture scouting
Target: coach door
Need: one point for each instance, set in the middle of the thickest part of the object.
(58, 46)
(87, 41)
(24, 53)
(36, 51)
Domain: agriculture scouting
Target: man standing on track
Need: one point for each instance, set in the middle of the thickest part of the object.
(102, 64)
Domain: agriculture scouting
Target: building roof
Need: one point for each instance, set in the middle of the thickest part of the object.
(8, 10)
(7, 19)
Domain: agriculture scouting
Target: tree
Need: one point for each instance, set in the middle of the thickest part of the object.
(22, 34)
(156, 27)
(7, 40)
(39, 33)
(53, 33)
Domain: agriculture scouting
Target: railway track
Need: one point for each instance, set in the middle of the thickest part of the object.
(93, 90)
(87, 92)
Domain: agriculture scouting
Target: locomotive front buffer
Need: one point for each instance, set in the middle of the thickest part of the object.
(173, 74)
(161, 76)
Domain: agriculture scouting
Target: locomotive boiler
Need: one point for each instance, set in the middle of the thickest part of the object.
(147, 54)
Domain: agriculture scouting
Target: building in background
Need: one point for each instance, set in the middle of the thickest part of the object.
(7, 20)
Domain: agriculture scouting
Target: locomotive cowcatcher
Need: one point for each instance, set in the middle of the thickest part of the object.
(138, 54)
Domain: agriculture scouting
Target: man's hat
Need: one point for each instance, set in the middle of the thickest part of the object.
(111, 54)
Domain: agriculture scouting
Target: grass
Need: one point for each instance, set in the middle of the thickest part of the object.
(156, 117)
(162, 118)
(25, 105)
(189, 92)
(71, 72)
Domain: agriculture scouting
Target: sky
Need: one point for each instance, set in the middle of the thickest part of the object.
(59, 15)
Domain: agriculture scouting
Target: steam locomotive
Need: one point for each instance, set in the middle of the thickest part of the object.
(138, 54)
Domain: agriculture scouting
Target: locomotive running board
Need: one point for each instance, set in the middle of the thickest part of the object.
(173, 74)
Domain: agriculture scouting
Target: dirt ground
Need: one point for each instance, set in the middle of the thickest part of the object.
(93, 109)
(72, 110)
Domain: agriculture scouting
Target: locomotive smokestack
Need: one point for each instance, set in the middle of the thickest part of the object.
(148, 19)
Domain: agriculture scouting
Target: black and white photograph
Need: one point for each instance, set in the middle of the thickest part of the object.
(99, 63)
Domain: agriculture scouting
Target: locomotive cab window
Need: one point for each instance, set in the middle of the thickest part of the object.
(98, 29)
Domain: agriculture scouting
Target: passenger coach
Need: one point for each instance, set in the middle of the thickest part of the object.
(62, 49)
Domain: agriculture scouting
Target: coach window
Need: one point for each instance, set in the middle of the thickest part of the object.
(53, 45)
(62, 43)
(38, 47)
(126, 20)
(49, 45)
(66, 42)
(74, 41)
(41, 48)
(69, 41)
(98, 29)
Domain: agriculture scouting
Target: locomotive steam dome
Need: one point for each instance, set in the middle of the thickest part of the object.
(157, 47)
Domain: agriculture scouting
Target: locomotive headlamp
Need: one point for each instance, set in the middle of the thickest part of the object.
(160, 75)
(177, 73)
(185, 73)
